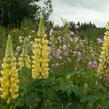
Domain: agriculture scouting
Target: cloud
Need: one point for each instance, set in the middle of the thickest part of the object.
(96, 11)
(90, 4)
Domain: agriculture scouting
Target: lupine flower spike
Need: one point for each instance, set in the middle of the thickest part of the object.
(40, 54)
(103, 68)
(9, 77)
(24, 59)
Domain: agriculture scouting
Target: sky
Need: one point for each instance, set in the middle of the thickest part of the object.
(96, 11)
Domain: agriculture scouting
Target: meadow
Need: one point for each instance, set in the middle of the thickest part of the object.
(44, 66)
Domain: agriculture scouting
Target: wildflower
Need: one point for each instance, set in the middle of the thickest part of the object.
(24, 59)
(65, 53)
(31, 43)
(77, 26)
(18, 48)
(71, 33)
(103, 69)
(9, 76)
(33, 31)
(51, 31)
(100, 41)
(71, 39)
(20, 37)
(40, 52)
(55, 65)
(58, 57)
(58, 52)
(21, 41)
(64, 47)
(79, 53)
(75, 52)
(90, 64)
(29, 36)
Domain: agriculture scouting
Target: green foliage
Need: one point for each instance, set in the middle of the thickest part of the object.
(13, 12)
(62, 90)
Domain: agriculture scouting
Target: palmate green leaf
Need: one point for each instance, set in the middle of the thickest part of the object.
(70, 88)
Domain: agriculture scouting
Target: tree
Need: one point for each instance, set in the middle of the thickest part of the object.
(12, 12)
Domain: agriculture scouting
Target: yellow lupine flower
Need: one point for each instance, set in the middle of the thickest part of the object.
(24, 59)
(103, 68)
(40, 54)
(9, 76)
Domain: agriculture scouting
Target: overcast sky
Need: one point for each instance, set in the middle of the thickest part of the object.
(96, 11)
